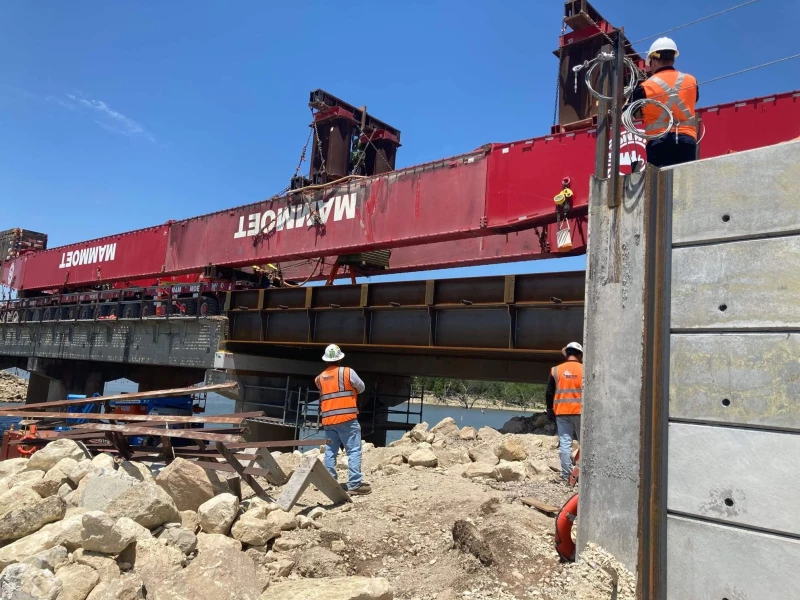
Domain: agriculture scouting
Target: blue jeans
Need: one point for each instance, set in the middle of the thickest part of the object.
(569, 428)
(348, 435)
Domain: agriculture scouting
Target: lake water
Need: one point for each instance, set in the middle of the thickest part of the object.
(432, 413)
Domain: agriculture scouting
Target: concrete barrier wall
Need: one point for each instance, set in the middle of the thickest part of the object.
(733, 526)
(691, 421)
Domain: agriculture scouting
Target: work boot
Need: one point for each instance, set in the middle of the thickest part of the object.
(362, 490)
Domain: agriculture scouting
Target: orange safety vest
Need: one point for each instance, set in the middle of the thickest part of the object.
(338, 397)
(678, 91)
(568, 398)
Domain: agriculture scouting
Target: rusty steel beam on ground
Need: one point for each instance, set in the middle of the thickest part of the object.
(192, 434)
(228, 387)
(149, 419)
(532, 315)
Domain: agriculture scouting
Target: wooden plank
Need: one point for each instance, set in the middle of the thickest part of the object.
(235, 418)
(739, 476)
(752, 284)
(548, 509)
(311, 470)
(710, 561)
(240, 469)
(156, 432)
(221, 466)
(749, 378)
(757, 191)
(276, 444)
(227, 387)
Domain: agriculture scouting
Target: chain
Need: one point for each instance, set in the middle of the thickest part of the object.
(362, 155)
(558, 74)
(303, 153)
(319, 143)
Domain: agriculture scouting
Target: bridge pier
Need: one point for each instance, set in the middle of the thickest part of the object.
(53, 379)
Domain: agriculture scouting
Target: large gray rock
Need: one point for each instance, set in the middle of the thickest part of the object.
(50, 559)
(180, 538)
(24, 478)
(468, 434)
(12, 466)
(100, 534)
(419, 433)
(127, 587)
(154, 561)
(511, 449)
(339, 588)
(26, 520)
(209, 541)
(26, 582)
(253, 529)
(77, 581)
(423, 458)
(147, 504)
(479, 470)
(190, 520)
(446, 427)
(55, 478)
(16, 498)
(511, 470)
(320, 562)
(104, 461)
(484, 453)
(82, 469)
(46, 458)
(137, 470)
(219, 572)
(106, 567)
(488, 434)
(452, 456)
(96, 492)
(189, 485)
(65, 533)
(217, 515)
(286, 521)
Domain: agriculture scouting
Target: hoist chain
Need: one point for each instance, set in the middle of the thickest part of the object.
(319, 144)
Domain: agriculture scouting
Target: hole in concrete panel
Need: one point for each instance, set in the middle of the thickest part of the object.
(728, 501)
(726, 402)
(726, 218)
(723, 307)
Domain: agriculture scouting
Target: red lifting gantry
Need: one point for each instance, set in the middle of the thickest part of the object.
(491, 205)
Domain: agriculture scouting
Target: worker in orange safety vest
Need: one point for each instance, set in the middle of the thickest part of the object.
(680, 93)
(339, 388)
(564, 397)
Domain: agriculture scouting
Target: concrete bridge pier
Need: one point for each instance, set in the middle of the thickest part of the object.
(54, 379)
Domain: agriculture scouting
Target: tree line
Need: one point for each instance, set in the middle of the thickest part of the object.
(467, 393)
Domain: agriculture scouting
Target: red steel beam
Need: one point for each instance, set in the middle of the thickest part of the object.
(498, 189)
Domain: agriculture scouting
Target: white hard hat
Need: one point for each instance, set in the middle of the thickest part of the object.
(572, 346)
(333, 353)
(663, 43)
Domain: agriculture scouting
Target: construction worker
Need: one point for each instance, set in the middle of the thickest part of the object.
(680, 93)
(339, 388)
(564, 396)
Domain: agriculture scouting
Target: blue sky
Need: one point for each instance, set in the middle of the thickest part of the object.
(119, 115)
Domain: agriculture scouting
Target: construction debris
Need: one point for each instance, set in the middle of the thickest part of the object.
(425, 532)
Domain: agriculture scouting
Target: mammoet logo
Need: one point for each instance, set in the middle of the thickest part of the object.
(632, 149)
(88, 256)
(289, 217)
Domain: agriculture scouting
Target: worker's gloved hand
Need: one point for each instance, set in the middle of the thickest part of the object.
(551, 415)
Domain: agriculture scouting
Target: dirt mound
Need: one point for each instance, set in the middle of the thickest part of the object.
(12, 388)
